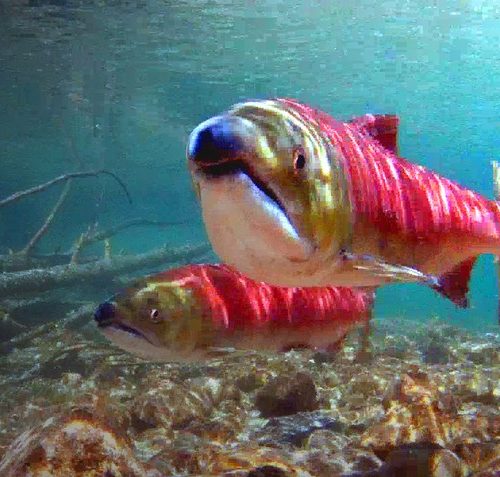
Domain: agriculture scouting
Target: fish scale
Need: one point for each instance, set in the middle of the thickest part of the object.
(247, 303)
(418, 206)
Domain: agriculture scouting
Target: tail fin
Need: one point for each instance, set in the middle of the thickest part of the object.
(496, 189)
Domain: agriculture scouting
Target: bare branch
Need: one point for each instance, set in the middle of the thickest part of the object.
(41, 187)
(89, 238)
(72, 320)
(16, 262)
(98, 236)
(43, 229)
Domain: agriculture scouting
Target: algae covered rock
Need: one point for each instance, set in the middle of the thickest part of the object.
(173, 404)
(414, 412)
(423, 460)
(285, 395)
(295, 429)
(77, 444)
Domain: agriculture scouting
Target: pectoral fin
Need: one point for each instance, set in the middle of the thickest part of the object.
(453, 285)
(216, 353)
(388, 272)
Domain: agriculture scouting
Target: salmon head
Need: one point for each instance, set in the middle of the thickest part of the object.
(272, 190)
(157, 318)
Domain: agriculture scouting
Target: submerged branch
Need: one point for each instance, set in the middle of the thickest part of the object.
(16, 262)
(65, 177)
(89, 238)
(39, 280)
(73, 320)
(43, 229)
(105, 234)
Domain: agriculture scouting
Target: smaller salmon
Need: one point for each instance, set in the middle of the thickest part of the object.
(198, 311)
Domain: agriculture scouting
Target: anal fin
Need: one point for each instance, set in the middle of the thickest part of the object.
(454, 284)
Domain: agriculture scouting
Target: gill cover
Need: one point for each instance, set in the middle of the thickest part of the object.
(166, 312)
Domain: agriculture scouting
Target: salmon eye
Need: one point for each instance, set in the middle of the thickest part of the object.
(299, 160)
(155, 315)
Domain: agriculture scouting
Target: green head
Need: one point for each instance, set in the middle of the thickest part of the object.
(158, 319)
(272, 190)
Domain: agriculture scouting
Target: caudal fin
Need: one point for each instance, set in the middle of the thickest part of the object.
(496, 189)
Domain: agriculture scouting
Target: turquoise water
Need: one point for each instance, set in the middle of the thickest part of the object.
(119, 85)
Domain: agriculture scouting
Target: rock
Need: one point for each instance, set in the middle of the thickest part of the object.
(285, 395)
(71, 379)
(328, 463)
(423, 460)
(398, 347)
(413, 413)
(77, 444)
(295, 429)
(70, 360)
(250, 382)
(194, 457)
(435, 352)
(326, 441)
(392, 416)
(485, 353)
(268, 471)
(481, 456)
(492, 470)
(175, 405)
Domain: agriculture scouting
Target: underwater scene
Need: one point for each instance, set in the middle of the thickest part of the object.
(249, 238)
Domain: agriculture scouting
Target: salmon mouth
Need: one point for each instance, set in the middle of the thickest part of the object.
(222, 147)
(120, 327)
(233, 168)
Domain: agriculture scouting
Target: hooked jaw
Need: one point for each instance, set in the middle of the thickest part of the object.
(223, 146)
(214, 137)
(104, 314)
(106, 318)
(216, 146)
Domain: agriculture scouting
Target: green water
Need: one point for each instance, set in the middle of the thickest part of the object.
(119, 85)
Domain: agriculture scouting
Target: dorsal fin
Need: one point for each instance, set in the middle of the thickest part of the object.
(455, 284)
(382, 127)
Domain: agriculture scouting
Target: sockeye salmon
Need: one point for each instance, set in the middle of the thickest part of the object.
(294, 197)
(192, 312)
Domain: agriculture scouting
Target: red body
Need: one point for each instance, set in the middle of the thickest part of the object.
(235, 302)
(398, 196)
